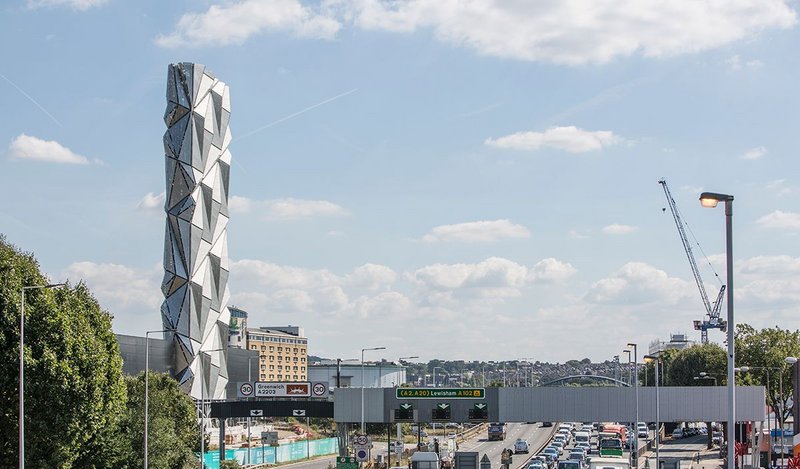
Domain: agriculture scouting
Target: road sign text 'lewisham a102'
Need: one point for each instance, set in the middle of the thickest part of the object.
(440, 393)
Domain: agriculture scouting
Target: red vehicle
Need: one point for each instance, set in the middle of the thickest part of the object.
(620, 430)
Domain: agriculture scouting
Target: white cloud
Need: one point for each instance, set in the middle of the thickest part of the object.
(577, 31)
(550, 270)
(372, 277)
(779, 186)
(754, 153)
(617, 229)
(287, 208)
(735, 63)
(133, 296)
(152, 202)
(637, 282)
(494, 277)
(570, 139)
(74, 4)
(565, 32)
(575, 234)
(780, 220)
(25, 147)
(234, 23)
(478, 231)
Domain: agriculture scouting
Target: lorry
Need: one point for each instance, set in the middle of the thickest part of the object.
(445, 450)
(497, 431)
(425, 460)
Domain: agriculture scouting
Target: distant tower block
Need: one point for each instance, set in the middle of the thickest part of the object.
(196, 268)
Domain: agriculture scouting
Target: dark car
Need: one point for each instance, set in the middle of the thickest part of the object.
(547, 424)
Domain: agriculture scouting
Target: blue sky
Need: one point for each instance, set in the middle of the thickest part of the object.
(461, 180)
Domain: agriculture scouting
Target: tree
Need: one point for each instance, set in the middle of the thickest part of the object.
(691, 361)
(73, 370)
(173, 429)
(765, 351)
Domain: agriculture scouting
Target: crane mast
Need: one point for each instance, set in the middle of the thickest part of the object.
(712, 309)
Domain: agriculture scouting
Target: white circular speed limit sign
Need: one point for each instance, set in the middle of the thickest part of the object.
(319, 389)
(246, 389)
(362, 440)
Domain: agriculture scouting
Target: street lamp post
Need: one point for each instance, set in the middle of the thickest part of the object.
(249, 380)
(203, 413)
(362, 383)
(704, 375)
(22, 367)
(147, 387)
(745, 369)
(711, 199)
(636, 392)
(658, 416)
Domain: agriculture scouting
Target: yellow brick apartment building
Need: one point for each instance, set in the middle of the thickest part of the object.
(282, 352)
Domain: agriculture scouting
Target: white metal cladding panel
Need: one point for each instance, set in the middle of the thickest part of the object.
(347, 405)
(607, 404)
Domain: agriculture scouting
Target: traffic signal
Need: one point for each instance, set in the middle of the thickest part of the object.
(479, 412)
(441, 413)
(404, 415)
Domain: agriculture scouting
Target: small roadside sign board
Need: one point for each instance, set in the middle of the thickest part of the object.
(440, 393)
(361, 440)
(396, 446)
(346, 462)
(274, 389)
(362, 453)
(269, 438)
(319, 389)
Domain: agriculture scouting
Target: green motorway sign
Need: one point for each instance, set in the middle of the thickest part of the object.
(440, 393)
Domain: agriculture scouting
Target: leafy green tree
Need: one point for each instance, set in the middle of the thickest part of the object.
(765, 352)
(74, 389)
(691, 361)
(173, 429)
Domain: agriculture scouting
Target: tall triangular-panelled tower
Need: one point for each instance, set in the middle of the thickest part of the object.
(196, 268)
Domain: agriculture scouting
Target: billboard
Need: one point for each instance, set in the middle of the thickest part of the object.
(274, 389)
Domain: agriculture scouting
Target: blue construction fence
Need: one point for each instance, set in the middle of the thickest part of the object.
(276, 454)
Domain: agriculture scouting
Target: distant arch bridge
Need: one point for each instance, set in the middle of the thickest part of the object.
(565, 379)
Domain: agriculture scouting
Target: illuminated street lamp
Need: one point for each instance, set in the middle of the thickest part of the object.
(711, 199)
(636, 392)
(362, 383)
(658, 416)
(203, 413)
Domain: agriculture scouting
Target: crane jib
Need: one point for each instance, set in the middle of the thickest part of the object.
(712, 309)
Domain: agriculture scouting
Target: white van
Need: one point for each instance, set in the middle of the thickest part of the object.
(424, 460)
(609, 463)
(582, 437)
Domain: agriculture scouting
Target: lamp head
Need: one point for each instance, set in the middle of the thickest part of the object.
(711, 199)
(791, 360)
(744, 369)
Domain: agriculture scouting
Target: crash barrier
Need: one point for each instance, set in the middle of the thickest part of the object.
(540, 448)
(276, 454)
